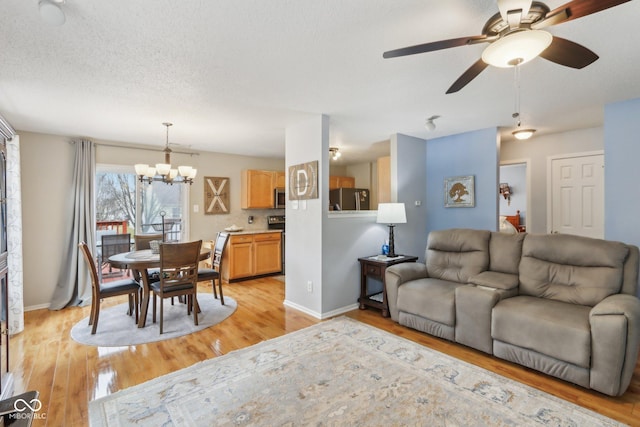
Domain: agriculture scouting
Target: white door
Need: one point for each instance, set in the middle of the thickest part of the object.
(577, 195)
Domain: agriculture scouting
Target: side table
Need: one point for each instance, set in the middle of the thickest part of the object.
(375, 267)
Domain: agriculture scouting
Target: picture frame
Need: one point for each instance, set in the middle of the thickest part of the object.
(459, 192)
(216, 195)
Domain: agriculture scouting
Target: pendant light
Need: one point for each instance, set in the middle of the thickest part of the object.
(520, 133)
(163, 171)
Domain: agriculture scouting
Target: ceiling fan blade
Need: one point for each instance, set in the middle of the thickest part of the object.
(439, 45)
(567, 53)
(575, 9)
(466, 77)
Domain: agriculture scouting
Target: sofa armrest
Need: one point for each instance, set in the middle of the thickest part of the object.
(615, 337)
(398, 274)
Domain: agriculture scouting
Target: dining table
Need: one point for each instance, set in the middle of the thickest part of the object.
(140, 262)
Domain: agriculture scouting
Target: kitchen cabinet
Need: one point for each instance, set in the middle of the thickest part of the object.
(258, 187)
(341, 182)
(253, 254)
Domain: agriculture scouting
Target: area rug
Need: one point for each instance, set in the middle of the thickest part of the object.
(339, 372)
(116, 328)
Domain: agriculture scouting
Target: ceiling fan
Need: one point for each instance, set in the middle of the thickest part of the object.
(516, 35)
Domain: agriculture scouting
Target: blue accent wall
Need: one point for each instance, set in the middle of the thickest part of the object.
(621, 171)
(472, 153)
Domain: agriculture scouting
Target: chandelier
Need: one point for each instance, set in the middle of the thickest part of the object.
(163, 171)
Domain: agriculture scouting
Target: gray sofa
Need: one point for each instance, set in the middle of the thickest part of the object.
(560, 304)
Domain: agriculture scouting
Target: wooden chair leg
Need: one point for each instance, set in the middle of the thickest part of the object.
(154, 307)
(213, 285)
(195, 309)
(95, 318)
(136, 303)
(220, 286)
(161, 314)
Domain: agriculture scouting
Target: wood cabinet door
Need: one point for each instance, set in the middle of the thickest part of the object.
(267, 253)
(257, 189)
(281, 179)
(347, 182)
(240, 257)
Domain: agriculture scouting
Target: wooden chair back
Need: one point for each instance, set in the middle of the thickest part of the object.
(141, 241)
(218, 250)
(93, 271)
(179, 265)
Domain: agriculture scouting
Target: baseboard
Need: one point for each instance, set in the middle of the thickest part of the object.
(317, 315)
(37, 307)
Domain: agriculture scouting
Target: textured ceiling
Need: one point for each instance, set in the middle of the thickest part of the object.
(231, 75)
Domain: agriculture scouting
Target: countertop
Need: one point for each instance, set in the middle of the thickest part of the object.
(253, 232)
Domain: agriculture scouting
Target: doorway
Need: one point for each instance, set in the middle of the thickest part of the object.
(516, 175)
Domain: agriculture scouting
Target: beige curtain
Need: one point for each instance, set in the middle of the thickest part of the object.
(74, 285)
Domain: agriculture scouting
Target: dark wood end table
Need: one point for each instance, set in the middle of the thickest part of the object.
(375, 266)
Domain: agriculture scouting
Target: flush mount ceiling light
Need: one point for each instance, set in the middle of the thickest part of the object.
(51, 12)
(163, 171)
(430, 124)
(334, 152)
(516, 48)
(523, 134)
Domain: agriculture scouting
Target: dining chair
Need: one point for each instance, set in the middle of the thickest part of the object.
(112, 244)
(178, 276)
(214, 274)
(104, 290)
(141, 241)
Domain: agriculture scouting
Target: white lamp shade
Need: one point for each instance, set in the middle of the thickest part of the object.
(193, 173)
(173, 173)
(522, 134)
(151, 172)
(163, 168)
(184, 171)
(51, 12)
(141, 169)
(391, 213)
(516, 48)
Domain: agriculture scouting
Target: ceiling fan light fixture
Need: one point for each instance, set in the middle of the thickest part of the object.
(51, 12)
(516, 48)
(522, 134)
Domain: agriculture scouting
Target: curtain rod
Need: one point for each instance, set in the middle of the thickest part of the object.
(144, 148)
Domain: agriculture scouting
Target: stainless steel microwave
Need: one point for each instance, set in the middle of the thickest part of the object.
(280, 198)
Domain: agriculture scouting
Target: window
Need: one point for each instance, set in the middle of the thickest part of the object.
(125, 205)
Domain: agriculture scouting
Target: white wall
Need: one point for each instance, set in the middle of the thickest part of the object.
(537, 150)
(306, 142)
(46, 199)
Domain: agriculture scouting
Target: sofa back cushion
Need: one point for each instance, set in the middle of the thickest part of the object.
(457, 254)
(505, 251)
(573, 269)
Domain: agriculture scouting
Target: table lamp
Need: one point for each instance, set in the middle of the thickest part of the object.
(391, 214)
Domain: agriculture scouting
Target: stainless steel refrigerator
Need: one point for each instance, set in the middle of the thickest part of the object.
(349, 199)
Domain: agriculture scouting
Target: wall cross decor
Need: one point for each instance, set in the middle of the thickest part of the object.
(216, 195)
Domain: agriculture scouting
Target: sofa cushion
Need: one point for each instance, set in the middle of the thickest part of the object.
(457, 254)
(572, 269)
(505, 251)
(433, 299)
(495, 280)
(558, 329)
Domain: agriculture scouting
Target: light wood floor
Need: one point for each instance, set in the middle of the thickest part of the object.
(68, 375)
